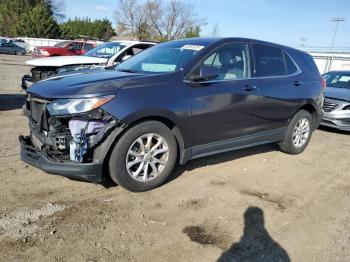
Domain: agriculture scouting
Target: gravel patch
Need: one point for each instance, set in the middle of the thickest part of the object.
(23, 223)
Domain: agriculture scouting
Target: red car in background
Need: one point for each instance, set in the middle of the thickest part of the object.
(65, 48)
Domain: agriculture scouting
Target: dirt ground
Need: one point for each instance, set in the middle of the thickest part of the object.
(250, 205)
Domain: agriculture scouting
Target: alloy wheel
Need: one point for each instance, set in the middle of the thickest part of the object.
(301, 132)
(147, 157)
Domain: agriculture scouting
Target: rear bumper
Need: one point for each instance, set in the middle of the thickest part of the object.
(91, 172)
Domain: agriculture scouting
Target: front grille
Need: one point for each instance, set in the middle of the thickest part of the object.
(37, 110)
(330, 106)
(36, 75)
(40, 74)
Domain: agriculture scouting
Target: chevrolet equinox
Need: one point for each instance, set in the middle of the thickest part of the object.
(174, 102)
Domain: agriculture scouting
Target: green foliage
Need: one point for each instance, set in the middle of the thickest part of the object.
(193, 31)
(38, 18)
(101, 29)
(38, 22)
(32, 18)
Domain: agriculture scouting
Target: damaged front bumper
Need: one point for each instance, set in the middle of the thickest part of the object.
(70, 145)
(91, 172)
(337, 114)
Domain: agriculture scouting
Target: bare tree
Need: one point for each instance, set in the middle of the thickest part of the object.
(215, 31)
(130, 19)
(157, 20)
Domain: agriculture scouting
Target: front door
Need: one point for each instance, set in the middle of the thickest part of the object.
(4, 48)
(224, 108)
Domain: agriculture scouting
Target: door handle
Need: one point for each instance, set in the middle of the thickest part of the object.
(297, 83)
(249, 88)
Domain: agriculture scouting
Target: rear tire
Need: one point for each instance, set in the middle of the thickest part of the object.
(298, 133)
(144, 157)
(19, 53)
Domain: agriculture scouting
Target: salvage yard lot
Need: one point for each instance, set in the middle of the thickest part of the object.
(212, 209)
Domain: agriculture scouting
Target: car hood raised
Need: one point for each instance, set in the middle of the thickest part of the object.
(83, 85)
(338, 93)
(66, 60)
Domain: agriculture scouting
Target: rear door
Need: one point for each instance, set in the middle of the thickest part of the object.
(12, 48)
(223, 108)
(279, 82)
(77, 48)
(87, 47)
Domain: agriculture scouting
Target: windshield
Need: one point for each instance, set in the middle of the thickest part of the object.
(62, 44)
(339, 80)
(163, 58)
(106, 50)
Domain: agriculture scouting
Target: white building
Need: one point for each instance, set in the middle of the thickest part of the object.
(331, 61)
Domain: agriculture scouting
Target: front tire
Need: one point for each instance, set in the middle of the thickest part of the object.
(298, 133)
(144, 157)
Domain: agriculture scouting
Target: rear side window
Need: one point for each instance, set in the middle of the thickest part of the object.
(87, 47)
(76, 46)
(139, 48)
(309, 63)
(290, 65)
(269, 61)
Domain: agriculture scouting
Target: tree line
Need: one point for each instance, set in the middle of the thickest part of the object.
(150, 20)
(157, 21)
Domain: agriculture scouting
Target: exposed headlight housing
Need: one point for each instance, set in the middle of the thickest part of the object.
(76, 106)
(44, 53)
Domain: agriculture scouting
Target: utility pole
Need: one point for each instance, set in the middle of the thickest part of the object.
(336, 20)
(330, 59)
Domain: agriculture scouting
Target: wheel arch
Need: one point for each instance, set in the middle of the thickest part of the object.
(103, 152)
(309, 107)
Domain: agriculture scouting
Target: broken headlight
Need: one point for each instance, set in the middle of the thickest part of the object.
(75, 106)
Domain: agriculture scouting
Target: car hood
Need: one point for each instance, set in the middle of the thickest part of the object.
(83, 85)
(66, 60)
(338, 93)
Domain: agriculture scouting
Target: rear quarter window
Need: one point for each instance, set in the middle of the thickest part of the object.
(308, 63)
(269, 61)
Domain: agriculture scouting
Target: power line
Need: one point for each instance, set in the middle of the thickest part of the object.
(336, 20)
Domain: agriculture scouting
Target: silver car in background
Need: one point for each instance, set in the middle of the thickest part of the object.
(337, 102)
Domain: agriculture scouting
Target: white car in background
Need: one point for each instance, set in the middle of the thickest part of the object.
(107, 55)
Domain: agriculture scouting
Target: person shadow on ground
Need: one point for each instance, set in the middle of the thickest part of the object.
(256, 245)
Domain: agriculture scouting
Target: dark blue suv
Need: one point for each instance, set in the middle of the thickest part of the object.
(174, 102)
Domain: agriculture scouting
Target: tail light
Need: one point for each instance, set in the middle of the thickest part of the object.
(323, 82)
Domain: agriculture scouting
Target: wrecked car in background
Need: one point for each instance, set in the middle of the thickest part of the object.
(337, 102)
(103, 56)
(65, 48)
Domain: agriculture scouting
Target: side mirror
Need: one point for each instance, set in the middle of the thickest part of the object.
(206, 73)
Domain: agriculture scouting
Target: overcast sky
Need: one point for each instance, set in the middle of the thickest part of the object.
(281, 21)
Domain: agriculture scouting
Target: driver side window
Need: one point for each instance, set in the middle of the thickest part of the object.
(232, 61)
